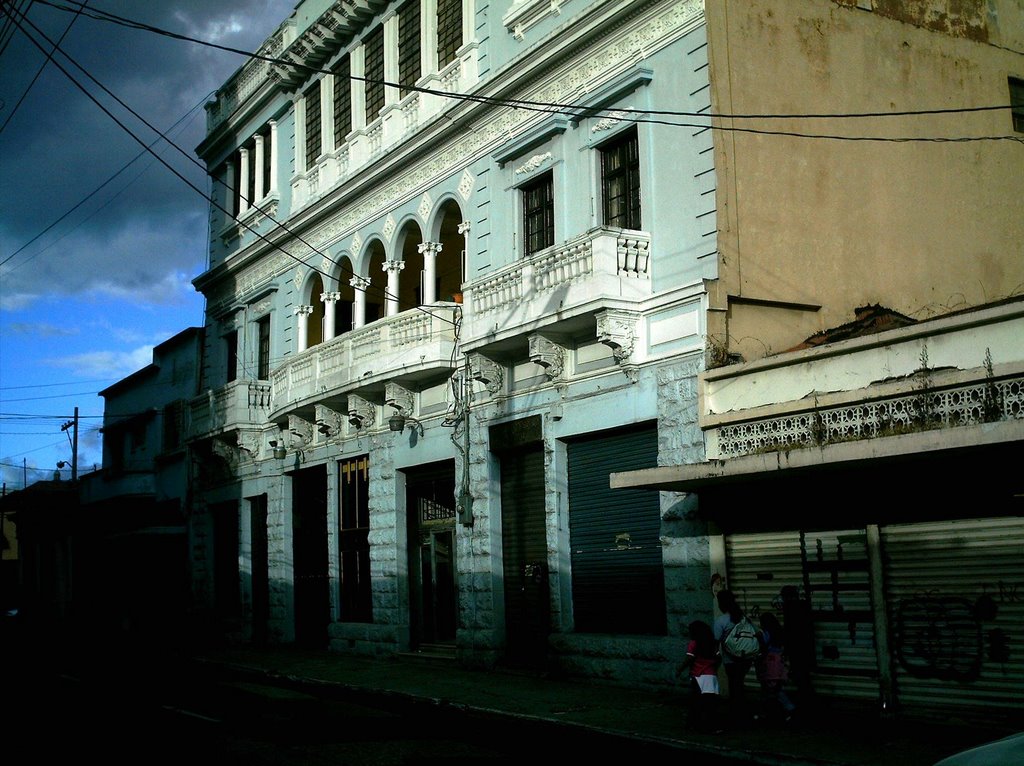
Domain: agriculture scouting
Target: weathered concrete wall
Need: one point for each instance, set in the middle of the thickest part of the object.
(837, 222)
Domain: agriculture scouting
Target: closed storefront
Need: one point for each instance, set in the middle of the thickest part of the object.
(618, 583)
(955, 593)
(953, 596)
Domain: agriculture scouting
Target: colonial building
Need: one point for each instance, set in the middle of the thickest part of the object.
(468, 259)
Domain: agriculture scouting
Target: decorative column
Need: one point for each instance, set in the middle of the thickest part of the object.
(428, 35)
(358, 70)
(273, 157)
(303, 329)
(257, 167)
(359, 284)
(429, 251)
(329, 299)
(391, 94)
(393, 269)
(243, 181)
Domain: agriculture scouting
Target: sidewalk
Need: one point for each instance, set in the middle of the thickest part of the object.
(833, 735)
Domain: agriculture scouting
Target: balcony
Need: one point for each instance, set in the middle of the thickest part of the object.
(942, 374)
(414, 347)
(238, 405)
(602, 268)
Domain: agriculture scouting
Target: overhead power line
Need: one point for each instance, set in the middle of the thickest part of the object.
(100, 15)
(42, 66)
(190, 184)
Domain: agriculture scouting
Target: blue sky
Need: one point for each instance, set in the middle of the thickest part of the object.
(84, 300)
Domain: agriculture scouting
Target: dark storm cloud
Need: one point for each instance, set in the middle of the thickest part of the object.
(146, 226)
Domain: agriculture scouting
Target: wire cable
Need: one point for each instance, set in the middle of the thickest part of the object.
(523, 103)
(189, 183)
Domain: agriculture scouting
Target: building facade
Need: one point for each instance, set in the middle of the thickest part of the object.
(469, 259)
(861, 407)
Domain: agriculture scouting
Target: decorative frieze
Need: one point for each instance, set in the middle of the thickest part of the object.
(533, 163)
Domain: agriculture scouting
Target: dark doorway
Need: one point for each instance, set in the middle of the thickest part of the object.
(309, 540)
(226, 585)
(430, 505)
(260, 568)
(524, 545)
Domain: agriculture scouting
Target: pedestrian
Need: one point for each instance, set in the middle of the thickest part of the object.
(771, 669)
(799, 627)
(702, 661)
(736, 668)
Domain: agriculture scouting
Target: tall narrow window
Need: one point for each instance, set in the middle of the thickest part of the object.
(620, 181)
(268, 159)
(1017, 103)
(342, 100)
(538, 214)
(250, 189)
(353, 540)
(409, 44)
(374, 66)
(231, 352)
(449, 31)
(314, 144)
(232, 179)
(263, 346)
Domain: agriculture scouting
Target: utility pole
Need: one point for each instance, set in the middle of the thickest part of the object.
(73, 424)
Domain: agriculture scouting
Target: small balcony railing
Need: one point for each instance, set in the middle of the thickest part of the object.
(404, 345)
(559, 282)
(239, 404)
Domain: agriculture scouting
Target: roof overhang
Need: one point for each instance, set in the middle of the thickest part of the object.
(866, 454)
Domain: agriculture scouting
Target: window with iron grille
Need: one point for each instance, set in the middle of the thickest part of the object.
(409, 44)
(538, 214)
(620, 181)
(234, 180)
(174, 424)
(353, 540)
(374, 59)
(250, 189)
(314, 144)
(263, 348)
(231, 350)
(1017, 103)
(449, 31)
(342, 100)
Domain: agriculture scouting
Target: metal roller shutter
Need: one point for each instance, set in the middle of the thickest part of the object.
(955, 593)
(831, 569)
(617, 573)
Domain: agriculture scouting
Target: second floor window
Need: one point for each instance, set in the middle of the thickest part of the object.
(449, 31)
(620, 181)
(538, 214)
(231, 352)
(314, 144)
(409, 44)
(263, 348)
(342, 100)
(374, 64)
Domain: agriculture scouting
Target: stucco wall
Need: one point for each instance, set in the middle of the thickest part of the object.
(920, 227)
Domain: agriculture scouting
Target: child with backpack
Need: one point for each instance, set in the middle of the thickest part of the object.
(738, 640)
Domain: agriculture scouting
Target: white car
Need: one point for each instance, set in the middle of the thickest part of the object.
(1008, 751)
